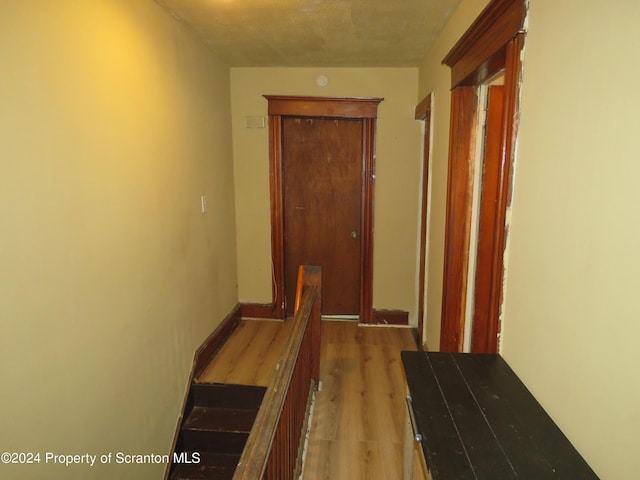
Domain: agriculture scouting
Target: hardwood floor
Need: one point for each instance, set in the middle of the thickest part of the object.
(250, 355)
(358, 424)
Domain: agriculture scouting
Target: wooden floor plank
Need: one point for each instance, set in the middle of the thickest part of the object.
(359, 417)
(250, 355)
(348, 460)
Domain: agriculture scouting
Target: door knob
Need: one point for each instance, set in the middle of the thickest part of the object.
(354, 234)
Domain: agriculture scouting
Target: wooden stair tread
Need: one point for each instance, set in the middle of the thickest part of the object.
(212, 466)
(220, 419)
(213, 441)
(222, 395)
(202, 472)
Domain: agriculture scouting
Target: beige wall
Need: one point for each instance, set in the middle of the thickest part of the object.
(570, 324)
(571, 316)
(113, 122)
(397, 168)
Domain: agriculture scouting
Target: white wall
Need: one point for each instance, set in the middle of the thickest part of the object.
(114, 120)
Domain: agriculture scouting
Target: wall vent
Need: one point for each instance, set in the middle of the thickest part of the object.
(254, 122)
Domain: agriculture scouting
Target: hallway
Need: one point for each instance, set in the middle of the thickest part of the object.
(359, 416)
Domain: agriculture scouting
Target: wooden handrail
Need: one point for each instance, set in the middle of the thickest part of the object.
(299, 289)
(274, 418)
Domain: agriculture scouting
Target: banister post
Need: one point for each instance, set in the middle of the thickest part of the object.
(312, 275)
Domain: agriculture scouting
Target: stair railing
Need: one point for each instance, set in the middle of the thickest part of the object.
(274, 448)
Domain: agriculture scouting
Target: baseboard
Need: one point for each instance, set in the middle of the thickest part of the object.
(212, 344)
(257, 310)
(390, 317)
(417, 339)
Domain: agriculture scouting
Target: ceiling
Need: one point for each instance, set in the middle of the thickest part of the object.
(318, 33)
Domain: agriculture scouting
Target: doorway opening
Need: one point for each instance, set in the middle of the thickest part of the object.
(476, 220)
(423, 113)
(485, 167)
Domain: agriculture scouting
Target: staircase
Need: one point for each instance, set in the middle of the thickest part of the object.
(218, 419)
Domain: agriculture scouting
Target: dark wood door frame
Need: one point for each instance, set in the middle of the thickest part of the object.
(484, 333)
(493, 43)
(458, 217)
(423, 113)
(365, 109)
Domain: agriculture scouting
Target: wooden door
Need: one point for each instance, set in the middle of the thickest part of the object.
(322, 164)
(355, 111)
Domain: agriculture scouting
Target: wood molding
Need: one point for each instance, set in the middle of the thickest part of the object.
(212, 344)
(258, 310)
(423, 113)
(277, 214)
(458, 216)
(493, 42)
(482, 331)
(357, 108)
(366, 237)
(423, 109)
(390, 317)
(479, 52)
(335, 107)
(417, 338)
(510, 122)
